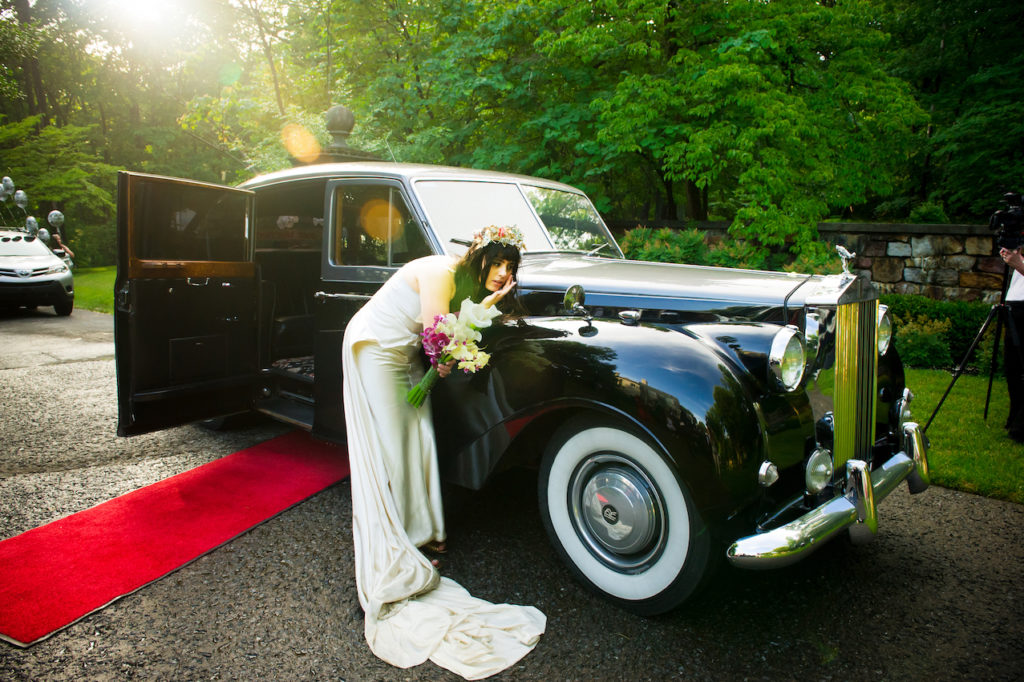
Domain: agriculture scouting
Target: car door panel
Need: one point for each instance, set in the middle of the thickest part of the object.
(187, 296)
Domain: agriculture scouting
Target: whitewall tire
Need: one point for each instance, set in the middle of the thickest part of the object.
(619, 516)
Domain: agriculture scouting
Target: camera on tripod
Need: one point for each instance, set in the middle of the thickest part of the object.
(1009, 222)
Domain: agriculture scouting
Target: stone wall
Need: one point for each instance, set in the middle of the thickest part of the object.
(945, 262)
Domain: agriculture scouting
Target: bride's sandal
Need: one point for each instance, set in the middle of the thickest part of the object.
(436, 547)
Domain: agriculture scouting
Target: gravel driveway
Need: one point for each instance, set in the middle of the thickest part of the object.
(937, 596)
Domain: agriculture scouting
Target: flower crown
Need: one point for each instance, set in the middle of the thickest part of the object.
(509, 236)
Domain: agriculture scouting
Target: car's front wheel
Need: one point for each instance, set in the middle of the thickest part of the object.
(621, 518)
(64, 309)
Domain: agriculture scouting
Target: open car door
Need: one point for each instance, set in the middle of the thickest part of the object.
(186, 301)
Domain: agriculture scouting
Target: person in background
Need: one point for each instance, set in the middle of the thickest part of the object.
(1013, 350)
(58, 243)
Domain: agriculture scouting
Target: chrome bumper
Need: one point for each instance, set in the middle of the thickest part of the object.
(856, 509)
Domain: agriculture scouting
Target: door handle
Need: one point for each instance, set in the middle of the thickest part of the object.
(322, 296)
(198, 281)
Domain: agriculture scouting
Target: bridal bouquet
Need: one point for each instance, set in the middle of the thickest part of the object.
(453, 337)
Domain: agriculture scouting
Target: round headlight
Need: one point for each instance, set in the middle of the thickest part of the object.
(787, 358)
(819, 471)
(884, 329)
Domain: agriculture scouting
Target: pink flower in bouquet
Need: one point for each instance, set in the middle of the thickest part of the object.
(435, 340)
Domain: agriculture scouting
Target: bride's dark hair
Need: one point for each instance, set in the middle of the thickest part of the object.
(471, 274)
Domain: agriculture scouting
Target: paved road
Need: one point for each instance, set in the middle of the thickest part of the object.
(40, 337)
(937, 596)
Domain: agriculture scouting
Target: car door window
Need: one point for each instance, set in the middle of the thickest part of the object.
(374, 226)
(184, 222)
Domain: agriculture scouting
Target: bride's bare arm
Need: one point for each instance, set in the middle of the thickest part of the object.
(436, 285)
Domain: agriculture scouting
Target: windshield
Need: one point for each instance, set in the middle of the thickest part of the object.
(19, 245)
(572, 221)
(456, 209)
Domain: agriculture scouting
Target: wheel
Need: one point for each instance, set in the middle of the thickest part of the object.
(64, 309)
(620, 517)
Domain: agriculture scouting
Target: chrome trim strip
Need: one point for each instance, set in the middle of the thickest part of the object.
(323, 296)
(795, 540)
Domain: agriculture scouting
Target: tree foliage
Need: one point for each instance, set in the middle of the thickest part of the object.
(771, 115)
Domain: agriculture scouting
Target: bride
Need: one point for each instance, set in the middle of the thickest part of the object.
(411, 613)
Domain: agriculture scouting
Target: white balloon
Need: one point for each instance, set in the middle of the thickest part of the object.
(56, 218)
(7, 184)
(32, 225)
(43, 234)
(20, 198)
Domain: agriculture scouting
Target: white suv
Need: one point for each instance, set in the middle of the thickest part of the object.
(33, 275)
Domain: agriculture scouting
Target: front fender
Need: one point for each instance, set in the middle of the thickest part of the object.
(696, 405)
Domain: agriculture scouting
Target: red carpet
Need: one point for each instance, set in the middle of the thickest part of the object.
(53, 575)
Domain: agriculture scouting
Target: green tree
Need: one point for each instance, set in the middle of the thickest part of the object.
(964, 61)
(772, 114)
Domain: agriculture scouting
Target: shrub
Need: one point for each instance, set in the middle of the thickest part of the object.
(94, 245)
(921, 342)
(665, 245)
(928, 212)
(965, 318)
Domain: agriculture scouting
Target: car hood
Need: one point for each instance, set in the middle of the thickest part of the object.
(23, 262)
(721, 292)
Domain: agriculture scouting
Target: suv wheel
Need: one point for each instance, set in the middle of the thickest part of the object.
(64, 309)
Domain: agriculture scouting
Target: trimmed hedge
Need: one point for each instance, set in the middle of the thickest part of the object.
(925, 326)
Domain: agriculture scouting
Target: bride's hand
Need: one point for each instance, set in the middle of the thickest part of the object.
(445, 368)
(500, 293)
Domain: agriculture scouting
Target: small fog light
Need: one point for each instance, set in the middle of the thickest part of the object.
(819, 471)
(768, 474)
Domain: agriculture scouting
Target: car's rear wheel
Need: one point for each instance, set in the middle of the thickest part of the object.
(621, 518)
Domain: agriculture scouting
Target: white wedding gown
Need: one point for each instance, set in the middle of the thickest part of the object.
(412, 613)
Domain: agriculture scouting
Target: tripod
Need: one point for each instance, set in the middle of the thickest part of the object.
(1001, 313)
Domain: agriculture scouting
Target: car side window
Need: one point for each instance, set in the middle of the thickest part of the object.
(290, 216)
(374, 226)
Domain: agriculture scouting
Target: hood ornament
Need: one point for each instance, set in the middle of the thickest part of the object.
(847, 257)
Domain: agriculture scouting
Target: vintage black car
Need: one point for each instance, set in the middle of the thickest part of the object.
(676, 415)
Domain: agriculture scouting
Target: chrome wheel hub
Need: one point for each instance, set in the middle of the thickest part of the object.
(617, 511)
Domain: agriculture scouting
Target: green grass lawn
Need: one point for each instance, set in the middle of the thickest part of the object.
(967, 453)
(94, 289)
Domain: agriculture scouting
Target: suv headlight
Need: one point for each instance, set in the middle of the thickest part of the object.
(57, 269)
(884, 329)
(787, 358)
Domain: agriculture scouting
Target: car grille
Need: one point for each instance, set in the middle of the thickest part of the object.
(14, 272)
(856, 380)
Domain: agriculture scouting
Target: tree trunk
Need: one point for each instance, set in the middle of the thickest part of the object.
(669, 210)
(34, 92)
(696, 202)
